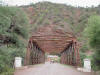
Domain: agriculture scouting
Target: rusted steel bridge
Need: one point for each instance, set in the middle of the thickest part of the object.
(48, 39)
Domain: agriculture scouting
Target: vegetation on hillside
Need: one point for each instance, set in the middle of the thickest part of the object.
(71, 19)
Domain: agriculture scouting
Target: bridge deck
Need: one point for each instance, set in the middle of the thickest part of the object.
(50, 69)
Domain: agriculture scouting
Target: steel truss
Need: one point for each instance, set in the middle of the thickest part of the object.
(71, 55)
(34, 54)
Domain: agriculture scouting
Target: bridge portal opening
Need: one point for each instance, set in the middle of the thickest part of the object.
(49, 40)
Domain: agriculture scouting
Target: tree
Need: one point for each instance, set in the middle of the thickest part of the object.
(92, 31)
(13, 24)
(13, 37)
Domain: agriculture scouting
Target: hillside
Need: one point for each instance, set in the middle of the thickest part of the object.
(72, 19)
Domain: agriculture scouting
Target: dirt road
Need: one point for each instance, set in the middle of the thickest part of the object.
(50, 69)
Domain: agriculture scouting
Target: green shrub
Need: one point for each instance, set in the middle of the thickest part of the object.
(7, 57)
(9, 71)
(92, 31)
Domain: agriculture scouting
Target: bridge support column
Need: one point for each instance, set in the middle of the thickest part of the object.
(76, 54)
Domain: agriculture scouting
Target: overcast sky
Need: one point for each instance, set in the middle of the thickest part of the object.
(82, 3)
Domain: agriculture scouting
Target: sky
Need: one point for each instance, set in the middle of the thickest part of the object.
(82, 3)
